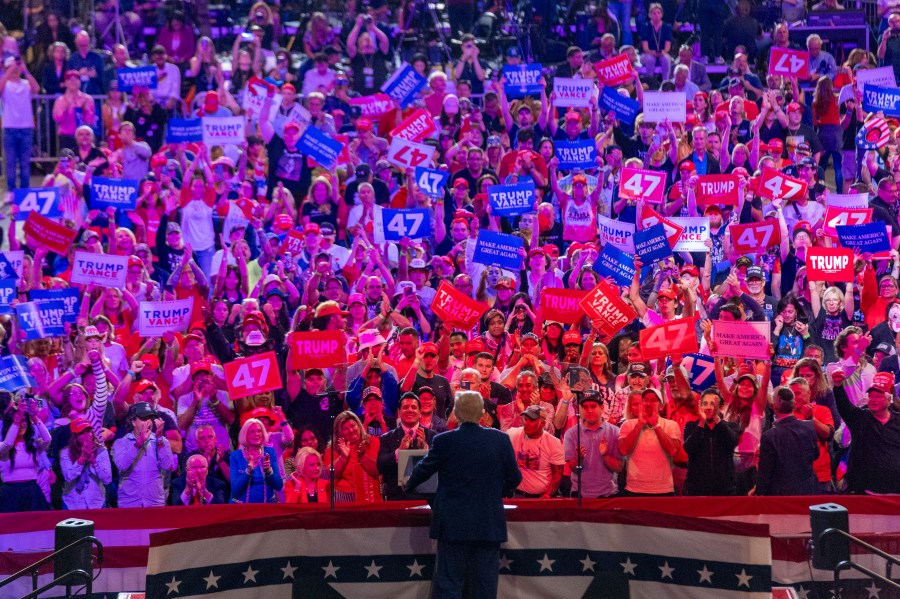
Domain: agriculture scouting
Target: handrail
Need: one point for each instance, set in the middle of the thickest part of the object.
(849, 564)
(31, 569)
(84, 576)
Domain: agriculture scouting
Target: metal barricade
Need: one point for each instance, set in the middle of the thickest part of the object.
(46, 146)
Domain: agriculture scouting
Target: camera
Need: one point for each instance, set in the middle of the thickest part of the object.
(247, 36)
(367, 20)
(520, 308)
(465, 385)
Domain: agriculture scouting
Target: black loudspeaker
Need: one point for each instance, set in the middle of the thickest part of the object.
(833, 549)
(78, 558)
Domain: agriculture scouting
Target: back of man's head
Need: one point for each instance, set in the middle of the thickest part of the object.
(468, 407)
(783, 403)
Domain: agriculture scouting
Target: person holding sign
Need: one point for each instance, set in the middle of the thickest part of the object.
(666, 298)
(579, 209)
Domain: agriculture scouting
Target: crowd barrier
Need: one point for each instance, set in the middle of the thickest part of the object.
(125, 533)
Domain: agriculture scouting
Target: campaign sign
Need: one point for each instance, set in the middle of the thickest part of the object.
(880, 77)
(130, 78)
(15, 374)
(652, 244)
(832, 265)
(251, 375)
(431, 181)
(511, 199)
(742, 339)
(373, 106)
(871, 237)
(616, 233)
(293, 243)
(417, 127)
(882, 99)
(614, 71)
(719, 190)
(43, 200)
(41, 319)
(702, 369)
(104, 270)
(55, 236)
(498, 249)
(650, 217)
(637, 184)
(522, 80)
(755, 237)
(572, 92)
(184, 131)
(451, 305)
(11, 262)
(625, 108)
(605, 303)
(784, 62)
(121, 194)
(847, 200)
(835, 216)
(669, 339)
(320, 147)
(316, 349)
(613, 262)
(157, 318)
(7, 295)
(222, 130)
(394, 225)
(659, 106)
(69, 296)
(562, 305)
(407, 154)
(695, 232)
(776, 185)
(403, 85)
(581, 154)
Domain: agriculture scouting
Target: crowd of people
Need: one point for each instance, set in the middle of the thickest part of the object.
(115, 419)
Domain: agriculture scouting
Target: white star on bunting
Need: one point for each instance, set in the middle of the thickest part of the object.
(331, 569)
(173, 586)
(250, 574)
(743, 578)
(546, 563)
(874, 591)
(505, 562)
(802, 593)
(587, 563)
(628, 567)
(415, 568)
(212, 581)
(288, 571)
(373, 570)
(666, 570)
(705, 574)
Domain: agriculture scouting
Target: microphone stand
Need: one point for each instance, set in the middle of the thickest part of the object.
(333, 408)
(579, 464)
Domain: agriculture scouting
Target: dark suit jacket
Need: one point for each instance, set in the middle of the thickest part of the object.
(712, 164)
(476, 468)
(387, 462)
(786, 455)
(213, 485)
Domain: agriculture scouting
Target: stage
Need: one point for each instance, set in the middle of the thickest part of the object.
(669, 547)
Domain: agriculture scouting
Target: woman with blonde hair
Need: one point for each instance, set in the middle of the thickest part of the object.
(306, 484)
(356, 477)
(319, 35)
(254, 477)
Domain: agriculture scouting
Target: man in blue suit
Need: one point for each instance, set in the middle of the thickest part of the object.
(476, 469)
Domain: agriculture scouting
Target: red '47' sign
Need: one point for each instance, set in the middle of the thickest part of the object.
(650, 217)
(755, 237)
(252, 375)
(789, 63)
(669, 338)
(407, 154)
(636, 184)
(417, 126)
(836, 216)
(776, 185)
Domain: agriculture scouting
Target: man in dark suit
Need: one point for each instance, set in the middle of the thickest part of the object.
(787, 452)
(476, 468)
(407, 435)
(704, 162)
(196, 487)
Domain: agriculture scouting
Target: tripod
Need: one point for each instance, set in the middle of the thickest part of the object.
(438, 27)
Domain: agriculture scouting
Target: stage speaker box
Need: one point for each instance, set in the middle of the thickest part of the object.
(78, 558)
(833, 549)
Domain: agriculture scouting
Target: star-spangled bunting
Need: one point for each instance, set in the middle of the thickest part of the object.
(322, 572)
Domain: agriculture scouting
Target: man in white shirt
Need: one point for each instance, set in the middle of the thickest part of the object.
(539, 455)
(168, 79)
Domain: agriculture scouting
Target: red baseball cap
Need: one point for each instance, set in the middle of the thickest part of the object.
(475, 346)
(79, 425)
(883, 381)
(573, 115)
(690, 269)
(571, 338)
(144, 384)
(551, 250)
(667, 292)
(310, 228)
(364, 124)
(794, 106)
(429, 348)
(200, 366)
(284, 221)
(579, 179)
(776, 145)
(688, 165)
(460, 182)
(151, 361)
